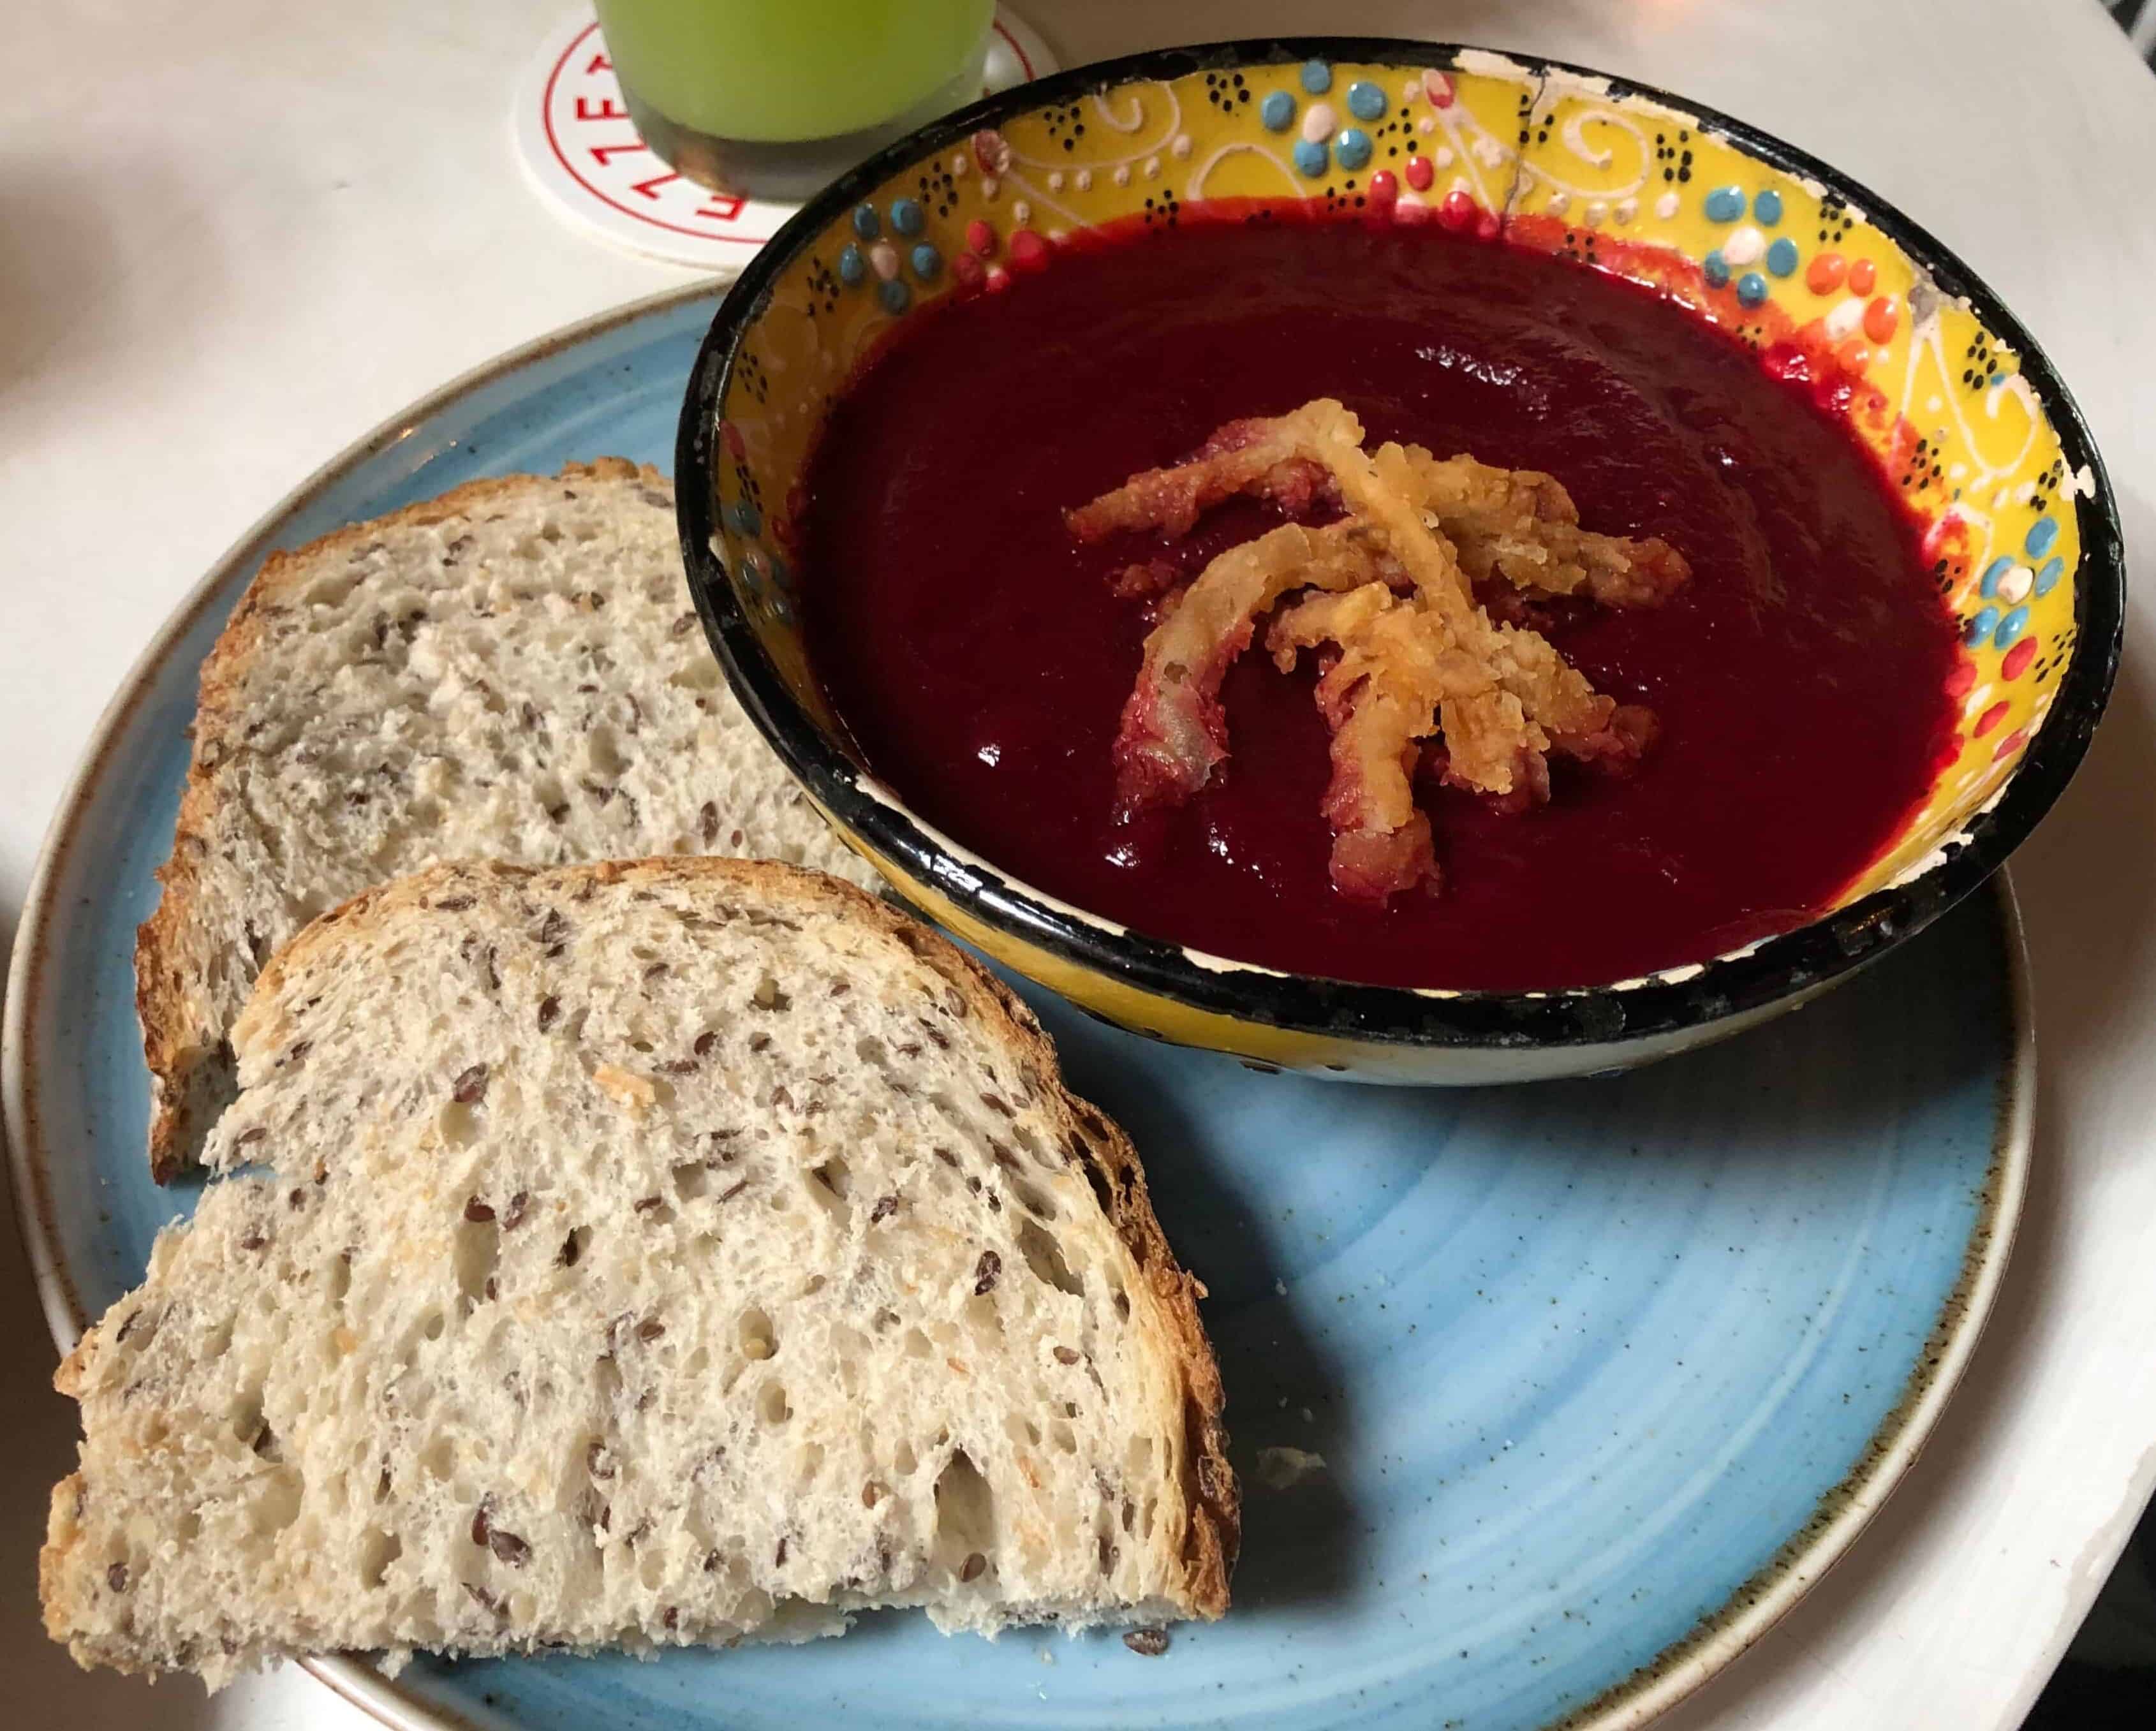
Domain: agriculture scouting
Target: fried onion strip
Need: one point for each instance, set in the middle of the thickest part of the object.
(1518, 524)
(1387, 596)
(1255, 457)
(1394, 675)
(1173, 732)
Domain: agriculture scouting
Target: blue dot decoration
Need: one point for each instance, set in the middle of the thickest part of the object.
(752, 573)
(1725, 205)
(1750, 288)
(1365, 100)
(743, 517)
(866, 223)
(852, 267)
(1317, 77)
(781, 574)
(2048, 575)
(1781, 255)
(908, 216)
(1767, 207)
(1982, 624)
(1988, 585)
(894, 294)
(1353, 147)
(1309, 158)
(1277, 112)
(928, 262)
(2011, 627)
(2041, 534)
(782, 610)
(1715, 269)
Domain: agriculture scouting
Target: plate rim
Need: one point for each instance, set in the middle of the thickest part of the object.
(1705, 1650)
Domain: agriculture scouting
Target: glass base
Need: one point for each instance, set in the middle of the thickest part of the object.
(752, 169)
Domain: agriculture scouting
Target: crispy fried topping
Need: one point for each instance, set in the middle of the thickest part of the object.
(1388, 597)
(1255, 457)
(1173, 731)
(1517, 524)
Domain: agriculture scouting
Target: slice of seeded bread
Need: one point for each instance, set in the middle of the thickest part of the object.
(512, 671)
(650, 1253)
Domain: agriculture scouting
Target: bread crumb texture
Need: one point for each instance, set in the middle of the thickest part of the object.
(678, 1252)
(512, 671)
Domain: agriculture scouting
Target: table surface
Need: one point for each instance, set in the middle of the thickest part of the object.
(236, 235)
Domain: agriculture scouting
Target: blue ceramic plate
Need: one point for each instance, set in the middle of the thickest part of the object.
(1602, 1374)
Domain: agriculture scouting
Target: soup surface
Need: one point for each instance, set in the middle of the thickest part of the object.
(981, 658)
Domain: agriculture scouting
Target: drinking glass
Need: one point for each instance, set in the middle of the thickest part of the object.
(774, 97)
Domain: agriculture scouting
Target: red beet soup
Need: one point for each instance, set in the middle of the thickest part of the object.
(980, 657)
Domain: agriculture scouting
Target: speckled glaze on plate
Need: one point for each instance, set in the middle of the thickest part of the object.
(1969, 421)
(1603, 1373)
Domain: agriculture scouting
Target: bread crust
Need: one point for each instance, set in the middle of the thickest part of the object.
(1165, 1295)
(1213, 1498)
(177, 1023)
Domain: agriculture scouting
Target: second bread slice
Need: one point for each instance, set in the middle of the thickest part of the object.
(512, 671)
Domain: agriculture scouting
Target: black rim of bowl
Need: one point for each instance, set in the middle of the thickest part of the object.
(1776, 968)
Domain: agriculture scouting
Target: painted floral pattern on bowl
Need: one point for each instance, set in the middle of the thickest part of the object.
(1555, 160)
(1836, 292)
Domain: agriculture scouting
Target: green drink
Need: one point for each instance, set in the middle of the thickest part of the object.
(777, 96)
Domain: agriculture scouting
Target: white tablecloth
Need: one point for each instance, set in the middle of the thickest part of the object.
(236, 234)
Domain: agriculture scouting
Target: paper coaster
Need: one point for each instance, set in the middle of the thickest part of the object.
(580, 149)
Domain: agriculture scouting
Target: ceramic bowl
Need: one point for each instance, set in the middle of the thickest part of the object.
(1971, 423)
